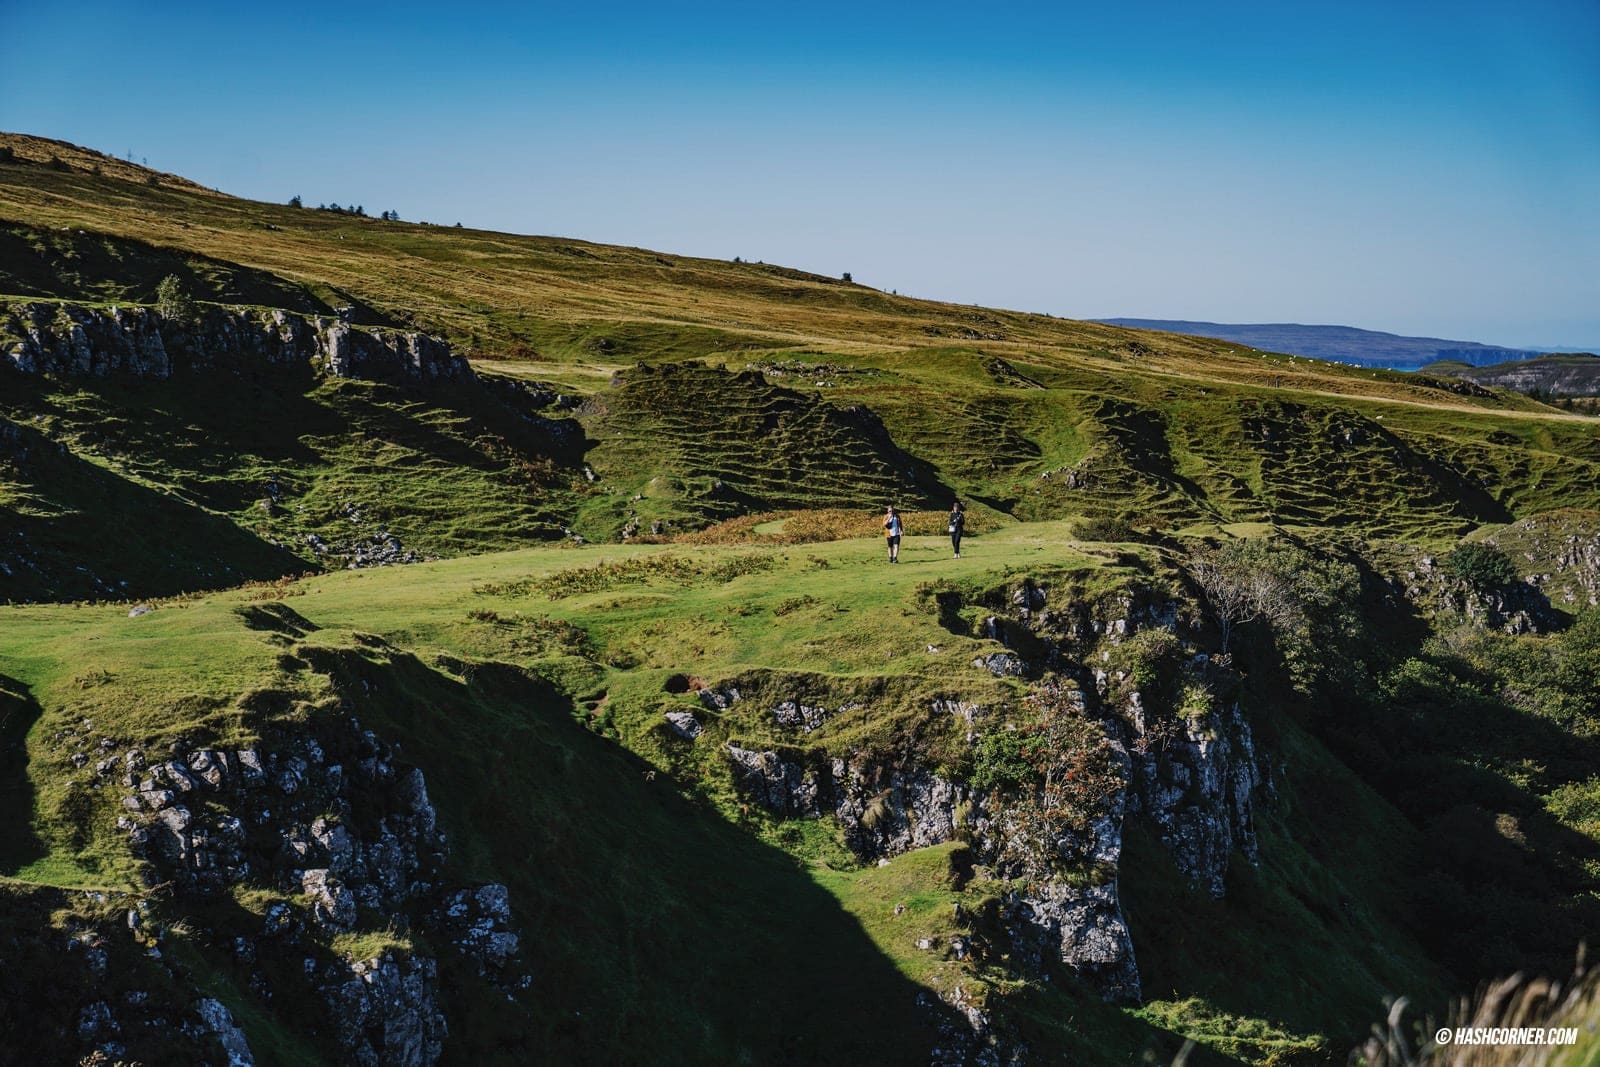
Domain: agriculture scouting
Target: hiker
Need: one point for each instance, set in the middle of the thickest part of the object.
(892, 529)
(958, 522)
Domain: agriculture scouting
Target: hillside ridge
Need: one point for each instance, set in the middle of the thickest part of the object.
(425, 645)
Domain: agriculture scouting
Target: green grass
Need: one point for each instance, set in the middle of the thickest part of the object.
(764, 416)
(1026, 416)
(668, 914)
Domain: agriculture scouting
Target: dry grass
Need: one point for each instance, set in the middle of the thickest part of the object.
(1517, 1002)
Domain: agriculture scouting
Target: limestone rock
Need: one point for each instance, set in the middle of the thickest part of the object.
(218, 1021)
(70, 341)
(332, 903)
(684, 724)
(386, 1011)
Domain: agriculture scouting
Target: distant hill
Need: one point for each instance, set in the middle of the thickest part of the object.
(1342, 344)
(1569, 374)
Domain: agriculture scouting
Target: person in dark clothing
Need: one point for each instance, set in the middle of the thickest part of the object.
(958, 522)
(892, 529)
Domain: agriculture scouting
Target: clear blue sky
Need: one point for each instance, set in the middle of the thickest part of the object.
(1411, 167)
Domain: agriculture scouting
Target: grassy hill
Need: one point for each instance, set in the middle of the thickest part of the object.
(695, 907)
(657, 505)
(863, 397)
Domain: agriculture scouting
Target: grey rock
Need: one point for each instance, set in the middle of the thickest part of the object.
(804, 717)
(777, 784)
(71, 341)
(218, 1022)
(337, 844)
(250, 765)
(96, 1019)
(386, 1011)
(1002, 664)
(684, 724)
(332, 903)
(719, 699)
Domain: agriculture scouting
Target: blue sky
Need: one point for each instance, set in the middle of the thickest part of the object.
(1411, 167)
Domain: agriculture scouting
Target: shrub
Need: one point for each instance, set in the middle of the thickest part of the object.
(1001, 761)
(1056, 771)
(1482, 566)
(1104, 528)
(173, 301)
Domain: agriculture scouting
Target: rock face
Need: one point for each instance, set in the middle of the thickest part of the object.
(218, 1022)
(1198, 789)
(70, 341)
(386, 1011)
(83, 980)
(883, 810)
(332, 816)
(1193, 775)
(1566, 564)
(345, 833)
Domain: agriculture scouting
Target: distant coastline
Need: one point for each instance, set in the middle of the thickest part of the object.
(1343, 344)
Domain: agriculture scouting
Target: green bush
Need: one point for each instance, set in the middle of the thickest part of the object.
(174, 302)
(1104, 528)
(1481, 566)
(1003, 760)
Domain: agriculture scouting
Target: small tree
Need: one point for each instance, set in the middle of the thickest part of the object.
(1311, 603)
(173, 301)
(1050, 778)
(1236, 590)
(846, 278)
(294, 201)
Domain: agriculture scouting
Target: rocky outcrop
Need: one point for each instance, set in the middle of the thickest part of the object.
(1520, 607)
(478, 922)
(84, 977)
(1557, 553)
(333, 817)
(1198, 787)
(386, 1011)
(1082, 928)
(217, 1021)
(1192, 773)
(883, 810)
(334, 824)
(72, 341)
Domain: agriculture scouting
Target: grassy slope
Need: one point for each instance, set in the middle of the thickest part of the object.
(979, 402)
(1159, 425)
(151, 488)
(688, 938)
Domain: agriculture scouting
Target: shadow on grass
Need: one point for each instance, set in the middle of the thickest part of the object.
(101, 535)
(656, 932)
(19, 845)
